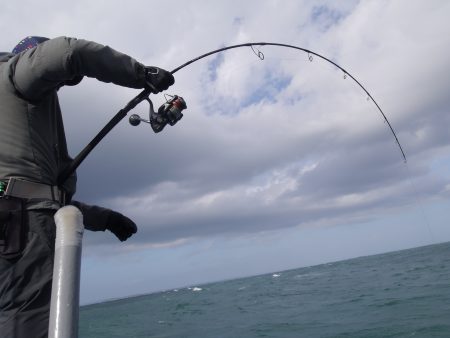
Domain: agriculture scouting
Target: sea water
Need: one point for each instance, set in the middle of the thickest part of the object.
(398, 294)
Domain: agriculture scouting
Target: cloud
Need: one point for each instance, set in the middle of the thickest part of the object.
(267, 144)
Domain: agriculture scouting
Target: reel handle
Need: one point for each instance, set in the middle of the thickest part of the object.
(135, 120)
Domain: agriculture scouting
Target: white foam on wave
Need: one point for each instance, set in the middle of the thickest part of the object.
(197, 289)
(275, 275)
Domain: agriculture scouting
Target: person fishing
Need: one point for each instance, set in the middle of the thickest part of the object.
(33, 153)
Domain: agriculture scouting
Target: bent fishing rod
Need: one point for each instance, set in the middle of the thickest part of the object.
(170, 112)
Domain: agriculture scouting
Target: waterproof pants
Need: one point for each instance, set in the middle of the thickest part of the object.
(26, 281)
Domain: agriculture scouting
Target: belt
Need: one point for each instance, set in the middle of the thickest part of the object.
(20, 188)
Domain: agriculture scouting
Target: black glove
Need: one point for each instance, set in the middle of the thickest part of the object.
(121, 226)
(158, 79)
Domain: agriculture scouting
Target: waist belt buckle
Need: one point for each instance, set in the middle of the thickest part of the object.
(3, 186)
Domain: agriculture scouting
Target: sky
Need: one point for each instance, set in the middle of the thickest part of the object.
(277, 163)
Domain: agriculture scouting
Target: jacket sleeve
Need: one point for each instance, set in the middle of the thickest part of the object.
(52, 63)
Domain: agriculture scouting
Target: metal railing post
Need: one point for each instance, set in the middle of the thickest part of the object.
(65, 302)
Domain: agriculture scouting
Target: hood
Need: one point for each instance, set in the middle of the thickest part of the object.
(5, 56)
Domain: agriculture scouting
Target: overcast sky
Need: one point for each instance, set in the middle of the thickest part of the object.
(278, 163)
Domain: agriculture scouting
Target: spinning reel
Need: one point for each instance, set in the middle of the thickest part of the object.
(168, 113)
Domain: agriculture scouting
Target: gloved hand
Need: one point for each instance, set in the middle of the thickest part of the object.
(121, 226)
(158, 79)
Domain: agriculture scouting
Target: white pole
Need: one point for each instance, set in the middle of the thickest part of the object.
(65, 302)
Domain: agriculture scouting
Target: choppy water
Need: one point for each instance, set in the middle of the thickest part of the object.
(400, 294)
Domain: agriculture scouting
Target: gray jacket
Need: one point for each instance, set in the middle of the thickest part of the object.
(32, 140)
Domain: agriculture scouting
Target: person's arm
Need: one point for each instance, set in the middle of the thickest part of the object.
(54, 62)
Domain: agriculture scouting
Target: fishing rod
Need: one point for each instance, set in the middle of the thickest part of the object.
(170, 112)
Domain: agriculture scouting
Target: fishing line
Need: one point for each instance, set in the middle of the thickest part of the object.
(419, 203)
(310, 55)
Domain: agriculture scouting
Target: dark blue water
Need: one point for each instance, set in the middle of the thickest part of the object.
(399, 294)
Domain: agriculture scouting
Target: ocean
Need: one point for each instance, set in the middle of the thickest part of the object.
(398, 294)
